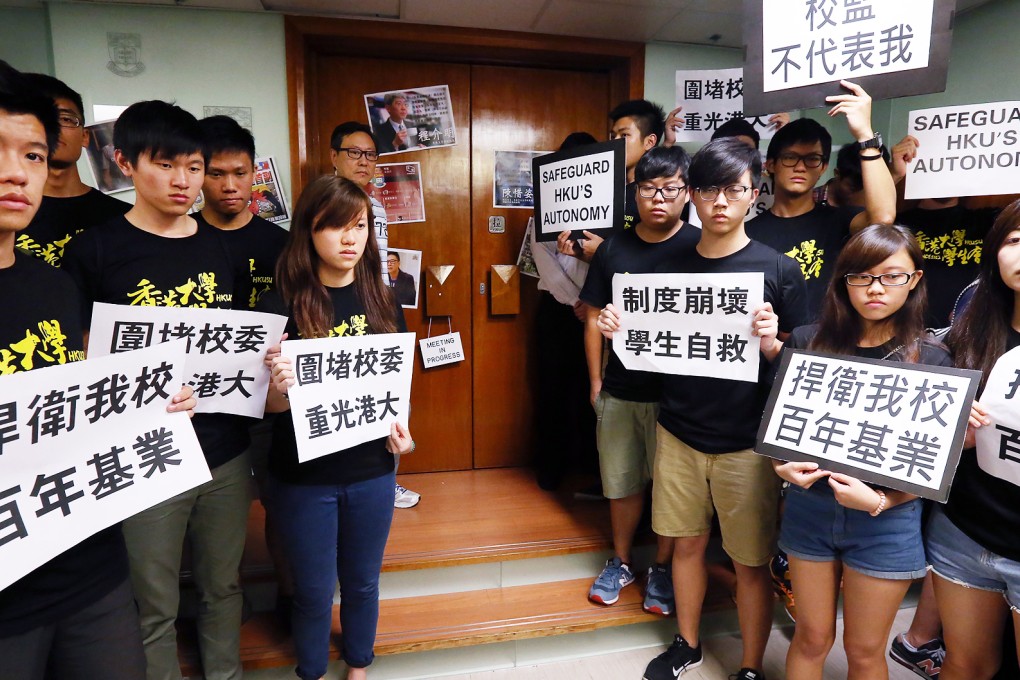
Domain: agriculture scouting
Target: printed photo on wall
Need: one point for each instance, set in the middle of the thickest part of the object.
(402, 274)
(411, 120)
(398, 187)
(267, 199)
(512, 184)
(109, 178)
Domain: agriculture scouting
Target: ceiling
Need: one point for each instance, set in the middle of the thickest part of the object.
(702, 22)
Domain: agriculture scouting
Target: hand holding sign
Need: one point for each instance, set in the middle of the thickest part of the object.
(399, 442)
(856, 106)
(674, 122)
(765, 326)
(800, 473)
(183, 401)
(902, 155)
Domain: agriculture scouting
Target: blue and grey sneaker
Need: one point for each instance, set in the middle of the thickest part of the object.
(659, 591)
(615, 577)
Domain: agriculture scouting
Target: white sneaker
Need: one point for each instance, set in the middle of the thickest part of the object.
(405, 498)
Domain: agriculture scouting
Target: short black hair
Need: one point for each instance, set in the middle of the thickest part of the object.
(393, 253)
(223, 134)
(722, 162)
(158, 128)
(649, 118)
(576, 139)
(663, 161)
(48, 86)
(802, 130)
(18, 97)
(737, 127)
(336, 139)
(848, 163)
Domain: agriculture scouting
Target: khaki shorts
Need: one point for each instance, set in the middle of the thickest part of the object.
(625, 432)
(741, 487)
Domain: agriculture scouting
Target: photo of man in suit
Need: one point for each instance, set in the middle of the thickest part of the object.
(402, 283)
(398, 133)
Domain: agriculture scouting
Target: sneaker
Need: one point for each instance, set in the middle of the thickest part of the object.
(659, 591)
(405, 498)
(925, 661)
(615, 577)
(779, 567)
(748, 674)
(680, 657)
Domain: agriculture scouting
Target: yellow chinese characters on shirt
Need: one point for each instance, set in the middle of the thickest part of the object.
(356, 325)
(810, 258)
(260, 285)
(50, 253)
(951, 249)
(191, 293)
(44, 345)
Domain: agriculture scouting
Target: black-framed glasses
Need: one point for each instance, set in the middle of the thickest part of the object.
(733, 192)
(668, 193)
(811, 160)
(890, 279)
(68, 120)
(356, 153)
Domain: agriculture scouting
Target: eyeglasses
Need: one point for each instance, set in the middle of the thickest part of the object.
(891, 279)
(668, 193)
(733, 192)
(811, 160)
(356, 153)
(68, 120)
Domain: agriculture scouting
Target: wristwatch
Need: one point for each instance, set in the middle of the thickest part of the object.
(873, 143)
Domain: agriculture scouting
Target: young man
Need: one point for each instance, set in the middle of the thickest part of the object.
(158, 255)
(704, 462)
(353, 155)
(797, 157)
(69, 205)
(626, 402)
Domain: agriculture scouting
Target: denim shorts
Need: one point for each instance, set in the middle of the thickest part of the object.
(818, 529)
(957, 558)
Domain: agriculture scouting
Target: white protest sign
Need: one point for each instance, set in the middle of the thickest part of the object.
(582, 188)
(710, 98)
(349, 390)
(971, 150)
(86, 445)
(225, 348)
(821, 41)
(441, 350)
(998, 444)
(886, 422)
(689, 324)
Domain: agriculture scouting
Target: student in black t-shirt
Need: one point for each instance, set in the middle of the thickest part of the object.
(74, 616)
(797, 157)
(704, 464)
(971, 542)
(334, 511)
(70, 206)
(159, 256)
(874, 308)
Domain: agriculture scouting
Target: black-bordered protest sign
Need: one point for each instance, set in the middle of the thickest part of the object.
(225, 347)
(689, 324)
(796, 52)
(889, 423)
(86, 445)
(581, 189)
(998, 444)
(970, 150)
(349, 390)
(710, 98)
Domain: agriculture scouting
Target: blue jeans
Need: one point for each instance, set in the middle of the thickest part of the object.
(334, 533)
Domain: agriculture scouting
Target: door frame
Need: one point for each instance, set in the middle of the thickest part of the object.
(309, 37)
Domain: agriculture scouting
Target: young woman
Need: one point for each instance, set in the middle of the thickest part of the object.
(972, 542)
(334, 511)
(836, 527)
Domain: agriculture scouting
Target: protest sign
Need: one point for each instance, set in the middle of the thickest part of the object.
(797, 51)
(998, 444)
(710, 98)
(689, 324)
(971, 150)
(580, 189)
(86, 445)
(225, 347)
(885, 422)
(349, 390)
(441, 350)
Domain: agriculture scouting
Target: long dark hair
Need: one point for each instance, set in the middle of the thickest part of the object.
(978, 337)
(840, 326)
(326, 202)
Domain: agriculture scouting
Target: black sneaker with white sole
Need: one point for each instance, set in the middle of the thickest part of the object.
(671, 664)
(748, 674)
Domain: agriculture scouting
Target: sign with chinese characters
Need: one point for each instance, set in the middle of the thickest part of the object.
(998, 444)
(267, 198)
(86, 445)
(885, 422)
(225, 348)
(397, 187)
(413, 119)
(709, 99)
(971, 150)
(512, 183)
(349, 390)
(797, 51)
(441, 350)
(580, 189)
(689, 324)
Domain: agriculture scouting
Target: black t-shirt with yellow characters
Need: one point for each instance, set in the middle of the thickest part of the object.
(60, 219)
(256, 246)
